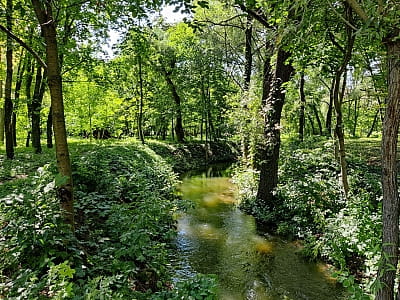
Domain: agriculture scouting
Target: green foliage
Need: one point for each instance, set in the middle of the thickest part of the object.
(124, 201)
(36, 245)
(310, 206)
(201, 287)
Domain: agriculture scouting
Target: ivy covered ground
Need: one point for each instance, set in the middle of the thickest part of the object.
(124, 203)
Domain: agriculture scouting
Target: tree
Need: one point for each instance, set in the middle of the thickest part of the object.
(44, 14)
(167, 66)
(36, 104)
(8, 105)
(389, 33)
(273, 98)
(339, 84)
(302, 107)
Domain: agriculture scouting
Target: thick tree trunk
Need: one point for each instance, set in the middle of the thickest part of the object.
(8, 105)
(272, 110)
(44, 15)
(390, 215)
(302, 119)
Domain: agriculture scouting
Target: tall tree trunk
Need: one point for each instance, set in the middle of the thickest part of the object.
(338, 94)
(140, 119)
(28, 94)
(18, 84)
(390, 214)
(328, 122)
(49, 129)
(43, 10)
(247, 79)
(8, 105)
(315, 110)
(272, 110)
(180, 135)
(36, 109)
(302, 119)
(371, 130)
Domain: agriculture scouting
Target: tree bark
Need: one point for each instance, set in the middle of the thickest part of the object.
(28, 94)
(338, 94)
(49, 129)
(43, 10)
(272, 111)
(140, 119)
(247, 79)
(17, 90)
(8, 105)
(390, 214)
(302, 119)
(180, 135)
(36, 109)
(371, 130)
(328, 123)
(315, 110)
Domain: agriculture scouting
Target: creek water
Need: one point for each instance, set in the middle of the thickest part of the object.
(214, 237)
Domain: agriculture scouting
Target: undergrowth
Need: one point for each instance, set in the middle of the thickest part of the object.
(310, 206)
(124, 202)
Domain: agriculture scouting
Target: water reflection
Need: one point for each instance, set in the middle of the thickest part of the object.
(216, 238)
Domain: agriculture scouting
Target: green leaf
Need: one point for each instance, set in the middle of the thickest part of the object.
(61, 180)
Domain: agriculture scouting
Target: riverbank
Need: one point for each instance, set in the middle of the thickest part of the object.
(311, 206)
(124, 203)
(195, 155)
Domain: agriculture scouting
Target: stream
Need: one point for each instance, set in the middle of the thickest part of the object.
(214, 237)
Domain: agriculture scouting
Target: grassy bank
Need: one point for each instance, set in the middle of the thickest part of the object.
(124, 203)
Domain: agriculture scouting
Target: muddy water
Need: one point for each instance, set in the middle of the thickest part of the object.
(216, 238)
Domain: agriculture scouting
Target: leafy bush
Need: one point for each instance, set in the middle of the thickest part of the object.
(35, 243)
(201, 287)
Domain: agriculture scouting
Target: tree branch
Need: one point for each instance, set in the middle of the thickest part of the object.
(334, 42)
(23, 44)
(220, 24)
(358, 9)
(256, 14)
